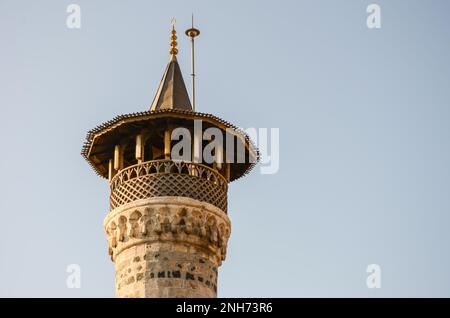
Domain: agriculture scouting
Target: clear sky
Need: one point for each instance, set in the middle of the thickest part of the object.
(364, 120)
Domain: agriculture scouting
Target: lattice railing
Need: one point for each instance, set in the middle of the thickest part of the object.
(168, 178)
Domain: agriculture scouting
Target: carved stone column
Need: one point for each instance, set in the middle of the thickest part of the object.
(167, 247)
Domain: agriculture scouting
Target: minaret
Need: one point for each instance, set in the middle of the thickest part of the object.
(168, 225)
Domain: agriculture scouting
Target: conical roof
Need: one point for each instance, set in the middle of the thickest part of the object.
(172, 93)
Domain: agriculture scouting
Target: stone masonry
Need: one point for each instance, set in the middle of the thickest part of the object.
(167, 247)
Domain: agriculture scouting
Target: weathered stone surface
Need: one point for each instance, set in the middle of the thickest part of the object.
(167, 247)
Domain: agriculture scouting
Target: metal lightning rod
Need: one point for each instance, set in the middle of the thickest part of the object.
(193, 33)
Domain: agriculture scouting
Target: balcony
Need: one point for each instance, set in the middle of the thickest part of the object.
(157, 178)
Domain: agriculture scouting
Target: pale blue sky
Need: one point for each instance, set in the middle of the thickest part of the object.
(364, 126)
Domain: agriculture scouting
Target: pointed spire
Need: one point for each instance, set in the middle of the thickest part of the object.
(172, 93)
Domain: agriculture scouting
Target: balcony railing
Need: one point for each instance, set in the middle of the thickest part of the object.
(168, 178)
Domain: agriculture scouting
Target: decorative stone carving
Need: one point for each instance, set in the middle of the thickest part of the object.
(169, 219)
(134, 224)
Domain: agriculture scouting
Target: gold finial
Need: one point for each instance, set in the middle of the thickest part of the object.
(173, 38)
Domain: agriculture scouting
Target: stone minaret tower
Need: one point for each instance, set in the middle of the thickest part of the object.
(167, 226)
